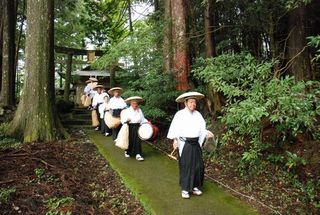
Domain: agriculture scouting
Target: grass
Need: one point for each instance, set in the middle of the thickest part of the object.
(155, 183)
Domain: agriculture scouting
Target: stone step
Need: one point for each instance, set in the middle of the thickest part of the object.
(76, 122)
(81, 117)
(86, 127)
(81, 111)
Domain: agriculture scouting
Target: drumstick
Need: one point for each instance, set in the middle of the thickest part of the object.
(171, 155)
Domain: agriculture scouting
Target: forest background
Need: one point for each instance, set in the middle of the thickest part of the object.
(256, 61)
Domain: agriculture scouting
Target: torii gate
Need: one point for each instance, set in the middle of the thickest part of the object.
(70, 52)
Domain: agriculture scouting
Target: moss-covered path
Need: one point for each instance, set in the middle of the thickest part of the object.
(155, 183)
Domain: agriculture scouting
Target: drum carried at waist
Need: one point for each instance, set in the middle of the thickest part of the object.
(111, 122)
(148, 131)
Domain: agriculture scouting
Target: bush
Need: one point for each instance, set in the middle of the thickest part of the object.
(5, 141)
(5, 194)
(159, 93)
(254, 98)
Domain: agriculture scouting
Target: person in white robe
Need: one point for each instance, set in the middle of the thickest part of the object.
(97, 100)
(188, 132)
(91, 83)
(103, 108)
(116, 105)
(134, 117)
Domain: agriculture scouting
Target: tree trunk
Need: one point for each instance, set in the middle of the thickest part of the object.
(208, 28)
(1, 40)
(195, 42)
(35, 118)
(112, 75)
(181, 62)
(156, 4)
(68, 78)
(209, 22)
(167, 37)
(8, 53)
(297, 50)
(130, 17)
(20, 34)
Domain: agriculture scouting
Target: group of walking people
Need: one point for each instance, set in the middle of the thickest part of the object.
(110, 111)
(187, 130)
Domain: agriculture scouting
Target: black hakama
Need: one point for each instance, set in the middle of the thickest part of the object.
(191, 165)
(134, 140)
(98, 115)
(115, 132)
(104, 128)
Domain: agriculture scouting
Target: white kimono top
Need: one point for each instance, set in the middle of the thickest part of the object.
(135, 116)
(117, 103)
(88, 90)
(187, 124)
(102, 109)
(98, 98)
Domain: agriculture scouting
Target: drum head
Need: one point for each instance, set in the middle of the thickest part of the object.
(145, 131)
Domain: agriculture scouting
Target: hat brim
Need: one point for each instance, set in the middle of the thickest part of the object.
(93, 79)
(111, 91)
(134, 98)
(98, 86)
(189, 95)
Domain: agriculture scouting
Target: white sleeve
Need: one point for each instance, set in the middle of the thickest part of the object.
(174, 127)
(110, 103)
(101, 110)
(123, 105)
(143, 120)
(94, 101)
(124, 116)
(204, 131)
(86, 90)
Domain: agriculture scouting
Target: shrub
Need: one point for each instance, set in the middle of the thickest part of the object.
(254, 96)
(159, 93)
(5, 194)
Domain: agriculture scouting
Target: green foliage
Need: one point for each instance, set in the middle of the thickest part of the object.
(39, 173)
(293, 161)
(5, 141)
(101, 22)
(254, 97)
(315, 42)
(139, 50)
(55, 204)
(142, 54)
(275, 158)
(4, 128)
(5, 194)
(159, 93)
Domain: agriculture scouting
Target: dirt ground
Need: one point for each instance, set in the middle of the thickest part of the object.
(62, 177)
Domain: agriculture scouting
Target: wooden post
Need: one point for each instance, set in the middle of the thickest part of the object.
(68, 78)
(112, 75)
(60, 83)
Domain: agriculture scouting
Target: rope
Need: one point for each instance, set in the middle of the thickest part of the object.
(251, 198)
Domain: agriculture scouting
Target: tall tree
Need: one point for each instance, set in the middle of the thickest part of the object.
(167, 37)
(209, 29)
(181, 62)
(297, 50)
(210, 49)
(35, 118)
(1, 40)
(8, 53)
(130, 16)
